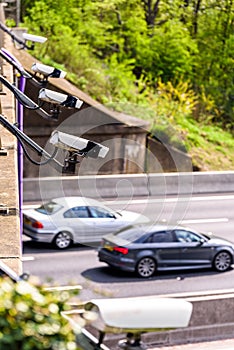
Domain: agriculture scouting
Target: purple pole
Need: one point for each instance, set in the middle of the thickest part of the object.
(19, 115)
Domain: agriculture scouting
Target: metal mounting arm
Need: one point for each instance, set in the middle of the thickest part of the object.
(69, 163)
(20, 69)
(21, 42)
(24, 139)
(28, 103)
(39, 79)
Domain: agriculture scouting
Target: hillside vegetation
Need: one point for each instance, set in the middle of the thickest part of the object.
(170, 62)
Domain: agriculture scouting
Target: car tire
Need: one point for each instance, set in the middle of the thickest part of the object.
(222, 261)
(62, 240)
(146, 267)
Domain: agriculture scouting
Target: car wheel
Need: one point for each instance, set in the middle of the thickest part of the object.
(62, 240)
(146, 267)
(222, 261)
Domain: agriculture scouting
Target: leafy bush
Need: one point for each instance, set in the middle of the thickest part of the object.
(30, 318)
(168, 62)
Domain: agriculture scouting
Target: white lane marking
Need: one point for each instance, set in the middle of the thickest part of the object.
(63, 288)
(31, 206)
(179, 198)
(28, 258)
(91, 250)
(203, 221)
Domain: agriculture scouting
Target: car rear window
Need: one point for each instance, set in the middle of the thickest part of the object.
(131, 234)
(49, 208)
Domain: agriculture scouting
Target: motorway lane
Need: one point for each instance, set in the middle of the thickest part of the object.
(213, 213)
(79, 265)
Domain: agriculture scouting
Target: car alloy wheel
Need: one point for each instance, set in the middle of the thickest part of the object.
(222, 261)
(146, 267)
(62, 240)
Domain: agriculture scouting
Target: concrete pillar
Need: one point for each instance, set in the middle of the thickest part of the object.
(10, 240)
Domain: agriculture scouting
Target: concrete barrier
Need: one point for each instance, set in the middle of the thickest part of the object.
(133, 185)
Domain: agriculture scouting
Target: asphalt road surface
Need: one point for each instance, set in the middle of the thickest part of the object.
(79, 264)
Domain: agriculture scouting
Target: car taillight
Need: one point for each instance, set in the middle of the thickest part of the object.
(121, 250)
(37, 224)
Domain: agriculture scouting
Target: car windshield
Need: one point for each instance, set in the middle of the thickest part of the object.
(49, 208)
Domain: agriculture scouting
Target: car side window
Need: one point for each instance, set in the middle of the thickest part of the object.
(77, 212)
(161, 237)
(99, 212)
(186, 236)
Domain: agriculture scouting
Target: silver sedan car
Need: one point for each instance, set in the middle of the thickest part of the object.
(66, 220)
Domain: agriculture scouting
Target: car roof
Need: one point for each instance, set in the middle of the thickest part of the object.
(158, 227)
(75, 200)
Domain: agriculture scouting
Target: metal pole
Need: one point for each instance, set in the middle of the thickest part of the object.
(17, 12)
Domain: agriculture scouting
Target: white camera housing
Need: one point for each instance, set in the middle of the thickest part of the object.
(137, 315)
(48, 70)
(34, 38)
(59, 98)
(80, 145)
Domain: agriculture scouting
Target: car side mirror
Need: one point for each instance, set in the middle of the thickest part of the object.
(202, 241)
(111, 216)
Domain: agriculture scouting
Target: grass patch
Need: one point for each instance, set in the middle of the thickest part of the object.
(210, 147)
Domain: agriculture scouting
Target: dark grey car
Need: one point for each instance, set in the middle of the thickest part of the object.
(146, 248)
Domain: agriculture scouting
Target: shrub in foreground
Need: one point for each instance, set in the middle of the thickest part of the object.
(31, 318)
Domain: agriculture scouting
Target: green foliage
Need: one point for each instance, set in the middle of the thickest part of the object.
(215, 64)
(170, 53)
(108, 45)
(10, 23)
(175, 62)
(30, 318)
